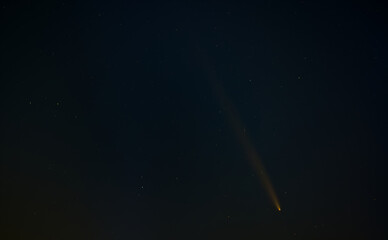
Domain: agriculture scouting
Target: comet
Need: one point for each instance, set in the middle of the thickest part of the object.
(239, 130)
(247, 146)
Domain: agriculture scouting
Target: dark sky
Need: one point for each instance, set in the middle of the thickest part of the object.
(111, 128)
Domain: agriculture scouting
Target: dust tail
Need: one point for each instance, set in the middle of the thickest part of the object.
(244, 140)
(240, 132)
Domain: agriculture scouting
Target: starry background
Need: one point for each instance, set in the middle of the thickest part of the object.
(110, 128)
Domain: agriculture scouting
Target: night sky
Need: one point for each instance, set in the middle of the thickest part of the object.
(193, 120)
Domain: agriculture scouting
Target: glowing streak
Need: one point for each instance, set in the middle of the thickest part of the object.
(238, 128)
(247, 145)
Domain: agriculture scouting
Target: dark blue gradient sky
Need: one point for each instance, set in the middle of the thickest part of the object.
(110, 126)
